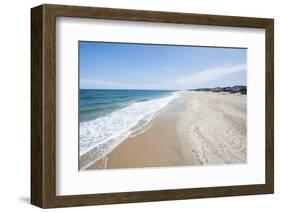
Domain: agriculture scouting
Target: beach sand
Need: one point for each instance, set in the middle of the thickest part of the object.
(214, 125)
(200, 128)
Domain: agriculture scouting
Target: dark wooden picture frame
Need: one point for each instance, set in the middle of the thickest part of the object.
(43, 105)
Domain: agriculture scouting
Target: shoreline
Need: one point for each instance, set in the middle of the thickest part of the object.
(199, 128)
(158, 145)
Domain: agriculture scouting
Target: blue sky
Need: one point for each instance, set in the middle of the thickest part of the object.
(140, 66)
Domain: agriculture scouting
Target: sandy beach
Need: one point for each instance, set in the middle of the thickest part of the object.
(199, 128)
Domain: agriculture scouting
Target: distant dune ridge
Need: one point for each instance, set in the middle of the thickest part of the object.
(234, 89)
(198, 128)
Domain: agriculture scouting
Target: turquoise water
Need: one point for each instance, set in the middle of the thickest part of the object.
(95, 103)
(108, 117)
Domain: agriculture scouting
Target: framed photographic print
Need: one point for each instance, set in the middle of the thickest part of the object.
(136, 106)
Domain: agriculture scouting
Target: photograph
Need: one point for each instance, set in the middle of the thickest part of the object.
(158, 105)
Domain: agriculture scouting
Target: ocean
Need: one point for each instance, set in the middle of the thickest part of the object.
(108, 117)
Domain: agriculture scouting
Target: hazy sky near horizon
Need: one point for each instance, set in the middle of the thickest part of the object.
(142, 66)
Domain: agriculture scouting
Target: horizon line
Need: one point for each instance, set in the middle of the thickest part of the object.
(161, 89)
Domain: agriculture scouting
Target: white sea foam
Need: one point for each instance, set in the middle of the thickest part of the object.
(100, 136)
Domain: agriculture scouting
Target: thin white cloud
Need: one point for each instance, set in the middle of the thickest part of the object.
(95, 83)
(210, 74)
(102, 83)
